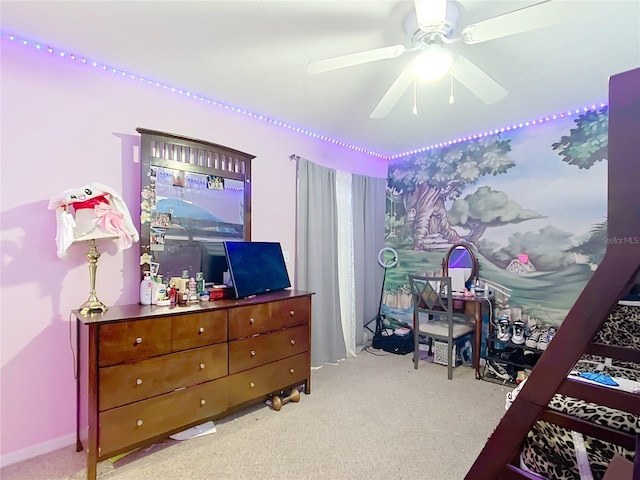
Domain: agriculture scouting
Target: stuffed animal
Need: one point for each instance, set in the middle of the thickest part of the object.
(521, 377)
(90, 212)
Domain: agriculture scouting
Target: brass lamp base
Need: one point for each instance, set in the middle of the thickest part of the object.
(92, 305)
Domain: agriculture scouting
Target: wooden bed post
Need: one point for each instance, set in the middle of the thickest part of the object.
(612, 280)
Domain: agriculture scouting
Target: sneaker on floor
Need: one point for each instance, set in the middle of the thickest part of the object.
(507, 356)
(546, 339)
(498, 370)
(533, 338)
(518, 332)
(504, 329)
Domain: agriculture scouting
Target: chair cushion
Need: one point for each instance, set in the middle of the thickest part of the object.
(440, 328)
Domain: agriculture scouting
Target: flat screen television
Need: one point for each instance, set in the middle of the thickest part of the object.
(256, 267)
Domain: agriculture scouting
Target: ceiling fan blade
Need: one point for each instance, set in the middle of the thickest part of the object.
(476, 80)
(355, 59)
(431, 14)
(393, 95)
(536, 16)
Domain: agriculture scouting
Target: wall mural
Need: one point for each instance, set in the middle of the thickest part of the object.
(531, 201)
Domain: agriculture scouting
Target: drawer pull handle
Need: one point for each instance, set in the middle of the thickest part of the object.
(291, 370)
(252, 321)
(293, 342)
(253, 353)
(292, 313)
(203, 402)
(202, 366)
(139, 340)
(201, 330)
(139, 381)
(252, 384)
(139, 422)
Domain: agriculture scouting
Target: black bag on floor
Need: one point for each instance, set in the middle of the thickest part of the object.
(385, 339)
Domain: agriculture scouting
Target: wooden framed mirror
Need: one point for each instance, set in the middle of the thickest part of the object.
(461, 257)
(193, 193)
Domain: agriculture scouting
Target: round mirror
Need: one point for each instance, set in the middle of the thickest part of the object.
(460, 256)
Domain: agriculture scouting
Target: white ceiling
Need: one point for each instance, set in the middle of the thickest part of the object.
(253, 54)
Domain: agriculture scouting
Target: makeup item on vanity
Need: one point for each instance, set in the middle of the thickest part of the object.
(158, 293)
(146, 289)
(193, 293)
(200, 282)
(173, 295)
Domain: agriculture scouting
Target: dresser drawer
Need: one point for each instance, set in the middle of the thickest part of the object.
(266, 348)
(128, 341)
(198, 329)
(123, 384)
(269, 378)
(140, 421)
(265, 317)
(294, 311)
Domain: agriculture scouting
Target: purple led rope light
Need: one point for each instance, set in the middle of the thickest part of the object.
(288, 126)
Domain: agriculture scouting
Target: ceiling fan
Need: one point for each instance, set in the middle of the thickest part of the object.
(429, 28)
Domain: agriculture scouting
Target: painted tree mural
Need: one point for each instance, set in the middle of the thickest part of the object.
(421, 188)
(587, 143)
(486, 208)
(427, 180)
(593, 249)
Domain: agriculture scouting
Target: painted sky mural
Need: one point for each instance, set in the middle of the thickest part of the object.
(532, 203)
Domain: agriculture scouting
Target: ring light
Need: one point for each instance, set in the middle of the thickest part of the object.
(392, 262)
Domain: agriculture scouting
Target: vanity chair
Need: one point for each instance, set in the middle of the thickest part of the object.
(434, 317)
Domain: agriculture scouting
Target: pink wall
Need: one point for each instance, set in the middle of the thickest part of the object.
(65, 124)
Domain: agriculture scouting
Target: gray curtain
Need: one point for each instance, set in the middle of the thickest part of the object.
(369, 210)
(317, 258)
(317, 254)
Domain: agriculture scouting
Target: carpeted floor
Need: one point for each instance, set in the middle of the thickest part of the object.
(370, 417)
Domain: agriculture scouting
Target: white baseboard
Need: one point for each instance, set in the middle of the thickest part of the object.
(37, 450)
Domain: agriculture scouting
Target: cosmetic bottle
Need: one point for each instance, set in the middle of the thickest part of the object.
(199, 282)
(158, 292)
(146, 289)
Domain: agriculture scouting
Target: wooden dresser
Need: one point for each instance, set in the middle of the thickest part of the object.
(146, 372)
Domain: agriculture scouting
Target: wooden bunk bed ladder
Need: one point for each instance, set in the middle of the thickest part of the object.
(612, 280)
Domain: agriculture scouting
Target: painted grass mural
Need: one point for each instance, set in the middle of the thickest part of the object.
(531, 202)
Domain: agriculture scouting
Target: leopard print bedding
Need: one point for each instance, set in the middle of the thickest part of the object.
(621, 328)
(548, 449)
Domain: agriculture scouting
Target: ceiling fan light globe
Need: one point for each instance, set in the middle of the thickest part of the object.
(432, 64)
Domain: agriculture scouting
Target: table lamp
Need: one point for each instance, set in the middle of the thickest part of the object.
(89, 213)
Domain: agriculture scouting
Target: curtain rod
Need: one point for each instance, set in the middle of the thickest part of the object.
(293, 156)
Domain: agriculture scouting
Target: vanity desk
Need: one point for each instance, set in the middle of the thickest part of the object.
(461, 264)
(472, 306)
(147, 372)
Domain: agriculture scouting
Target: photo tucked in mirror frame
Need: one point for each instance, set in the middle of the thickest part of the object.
(192, 192)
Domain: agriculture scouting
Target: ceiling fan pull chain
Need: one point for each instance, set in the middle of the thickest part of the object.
(415, 97)
(451, 99)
